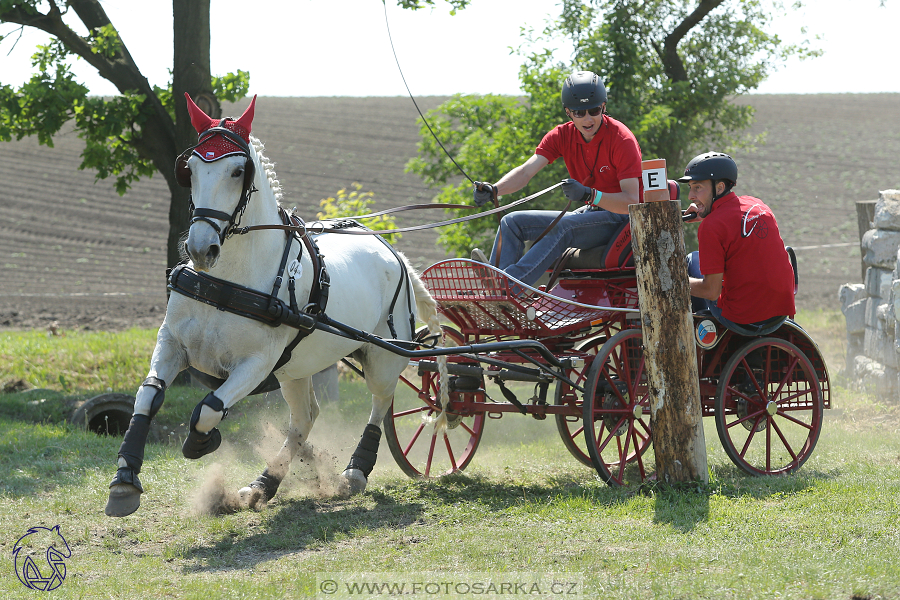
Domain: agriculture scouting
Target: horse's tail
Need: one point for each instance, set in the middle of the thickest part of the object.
(426, 311)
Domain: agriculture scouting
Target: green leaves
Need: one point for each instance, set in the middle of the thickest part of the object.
(672, 72)
(348, 204)
(418, 4)
(110, 129)
(106, 41)
(231, 87)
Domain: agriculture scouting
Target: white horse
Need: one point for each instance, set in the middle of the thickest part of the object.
(365, 275)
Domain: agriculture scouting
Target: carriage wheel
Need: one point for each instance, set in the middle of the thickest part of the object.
(409, 432)
(768, 407)
(571, 427)
(617, 410)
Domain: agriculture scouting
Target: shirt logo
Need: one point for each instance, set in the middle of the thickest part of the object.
(752, 222)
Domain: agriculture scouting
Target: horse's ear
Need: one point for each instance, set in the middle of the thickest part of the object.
(247, 118)
(199, 119)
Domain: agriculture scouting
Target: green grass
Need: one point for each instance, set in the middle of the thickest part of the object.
(76, 360)
(830, 531)
(524, 506)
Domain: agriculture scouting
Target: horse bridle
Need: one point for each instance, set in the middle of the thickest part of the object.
(183, 177)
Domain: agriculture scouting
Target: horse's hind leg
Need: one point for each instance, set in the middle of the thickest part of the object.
(301, 400)
(363, 459)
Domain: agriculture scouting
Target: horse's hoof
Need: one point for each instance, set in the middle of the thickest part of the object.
(198, 444)
(356, 479)
(124, 499)
(252, 498)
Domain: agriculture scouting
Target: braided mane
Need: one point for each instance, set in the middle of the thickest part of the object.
(267, 167)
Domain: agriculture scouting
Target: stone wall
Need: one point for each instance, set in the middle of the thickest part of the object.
(872, 308)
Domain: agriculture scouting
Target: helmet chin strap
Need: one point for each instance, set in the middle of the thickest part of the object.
(724, 193)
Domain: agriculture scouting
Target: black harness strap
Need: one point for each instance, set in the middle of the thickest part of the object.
(259, 306)
(404, 276)
(318, 294)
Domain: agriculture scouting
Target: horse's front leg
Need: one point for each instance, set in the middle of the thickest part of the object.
(125, 490)
(203, 437)
(304, 407)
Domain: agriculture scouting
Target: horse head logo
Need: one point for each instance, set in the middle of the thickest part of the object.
(40, 575)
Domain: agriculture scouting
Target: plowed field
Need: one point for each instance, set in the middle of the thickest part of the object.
(74, 252)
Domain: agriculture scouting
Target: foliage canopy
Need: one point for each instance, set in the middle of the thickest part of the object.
(672, 68)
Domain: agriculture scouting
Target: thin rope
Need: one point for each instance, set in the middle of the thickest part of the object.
(424, 120)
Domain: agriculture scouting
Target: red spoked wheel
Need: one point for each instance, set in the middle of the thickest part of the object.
(571, 427)
(616, 410)
(768, 407)
(409, 429)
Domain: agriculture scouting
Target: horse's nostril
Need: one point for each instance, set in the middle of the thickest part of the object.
(213, 253)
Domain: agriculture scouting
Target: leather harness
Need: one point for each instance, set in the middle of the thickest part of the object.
(268, 308)
(259, 306)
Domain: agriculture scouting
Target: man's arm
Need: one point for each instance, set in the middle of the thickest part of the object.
(519, 177)
(709, 287)
(618, 202)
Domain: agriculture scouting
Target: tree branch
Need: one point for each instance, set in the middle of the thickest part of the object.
(672, 62)
(120, 69)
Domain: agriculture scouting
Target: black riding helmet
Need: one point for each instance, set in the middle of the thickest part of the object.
(716, 166)
(583, 90)
(711, 165)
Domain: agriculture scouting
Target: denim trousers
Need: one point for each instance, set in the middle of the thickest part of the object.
(583, 230)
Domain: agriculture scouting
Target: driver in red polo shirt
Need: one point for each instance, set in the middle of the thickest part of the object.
(603, 159)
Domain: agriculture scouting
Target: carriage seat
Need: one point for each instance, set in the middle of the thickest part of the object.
(617, 254)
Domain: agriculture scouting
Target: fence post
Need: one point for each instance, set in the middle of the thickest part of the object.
(676, 417)
(865, 217)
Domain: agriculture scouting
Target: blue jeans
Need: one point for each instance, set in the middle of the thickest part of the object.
(697, 304)
(575, 230)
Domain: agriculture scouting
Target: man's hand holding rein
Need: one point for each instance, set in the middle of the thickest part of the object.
(484, 193)
(577, 192)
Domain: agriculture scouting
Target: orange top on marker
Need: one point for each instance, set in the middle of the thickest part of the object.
(656, 188)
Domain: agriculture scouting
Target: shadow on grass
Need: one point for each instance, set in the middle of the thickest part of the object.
(684, 505)
(295, 525)
(300, 524)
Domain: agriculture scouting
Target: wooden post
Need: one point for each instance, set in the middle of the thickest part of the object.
(865, 217)
(676, 418)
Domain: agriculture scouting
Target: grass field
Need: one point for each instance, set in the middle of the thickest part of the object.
(524, 511)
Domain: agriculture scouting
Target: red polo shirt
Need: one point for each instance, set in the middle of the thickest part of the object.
(611, 155)
(740, 239)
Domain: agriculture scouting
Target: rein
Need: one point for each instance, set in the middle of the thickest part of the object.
(321, 227)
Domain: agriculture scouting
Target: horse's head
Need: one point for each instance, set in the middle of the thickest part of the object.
(220, 172)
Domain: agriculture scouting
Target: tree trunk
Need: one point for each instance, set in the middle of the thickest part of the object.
(191, 74)
(664, 293)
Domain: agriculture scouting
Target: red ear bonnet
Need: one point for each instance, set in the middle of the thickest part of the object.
(218, 146)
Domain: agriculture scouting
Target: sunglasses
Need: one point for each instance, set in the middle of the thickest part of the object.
(591, 111)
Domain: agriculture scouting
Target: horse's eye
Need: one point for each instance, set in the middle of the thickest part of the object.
(238, 172)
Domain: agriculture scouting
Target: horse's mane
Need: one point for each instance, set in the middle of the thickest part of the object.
(268, 168)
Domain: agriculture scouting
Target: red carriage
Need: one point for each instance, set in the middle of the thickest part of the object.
(580, 344)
